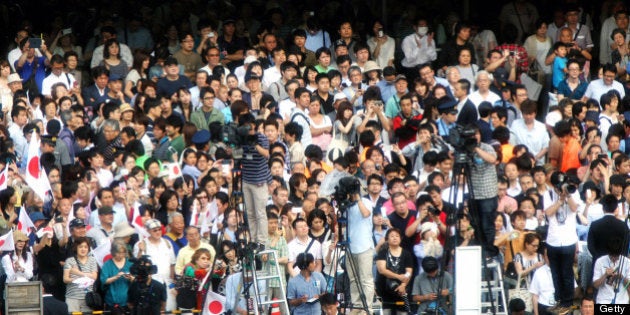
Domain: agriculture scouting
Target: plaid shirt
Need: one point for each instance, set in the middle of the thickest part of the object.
(483, 176)
(522, 64)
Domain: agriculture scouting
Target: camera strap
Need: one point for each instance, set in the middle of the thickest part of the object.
(309, 245)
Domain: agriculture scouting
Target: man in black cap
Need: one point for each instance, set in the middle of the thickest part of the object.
(431, 287)
(172, 81)
(448, 117)
(232, 46)
(77, 229)
(201, 140)
(47, 145)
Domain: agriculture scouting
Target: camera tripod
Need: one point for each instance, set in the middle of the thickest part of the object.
(341, 254)
(461, 168)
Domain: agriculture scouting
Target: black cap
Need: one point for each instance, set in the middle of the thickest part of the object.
(201, 137)
(447, 107)
(76, 222)
(340, 42)
(229, 20)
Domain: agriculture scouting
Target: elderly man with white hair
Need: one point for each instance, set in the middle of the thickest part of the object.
(483, 93)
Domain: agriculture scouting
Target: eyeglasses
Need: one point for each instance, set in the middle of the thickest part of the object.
(202, 197)
(534, 245)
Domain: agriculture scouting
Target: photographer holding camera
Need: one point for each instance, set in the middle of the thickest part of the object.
(256, 176)
(561, 205)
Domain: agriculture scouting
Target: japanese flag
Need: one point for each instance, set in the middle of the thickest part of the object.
(174, 171)
(6, 242)
(24, 222)
(35, 177)
(4, 177)
(136, 220)
(102, 253)
(215, 304)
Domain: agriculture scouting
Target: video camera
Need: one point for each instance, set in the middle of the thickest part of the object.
(236, 137)
(463, 139)
(346, 187)
(142, 267)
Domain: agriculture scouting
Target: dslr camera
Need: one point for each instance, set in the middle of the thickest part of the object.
(562, 182)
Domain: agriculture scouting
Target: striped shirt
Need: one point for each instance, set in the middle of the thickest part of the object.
(255, 166)
(72, 289)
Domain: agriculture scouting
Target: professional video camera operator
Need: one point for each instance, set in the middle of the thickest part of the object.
(561, 206)
(146, 297)
(481, 158)
(359, 215)
(256, 176)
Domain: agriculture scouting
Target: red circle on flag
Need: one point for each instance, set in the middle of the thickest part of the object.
(215, 307)
(1, 243)
(2, 179)
(19, 226)
(33, 167)
(176, 170)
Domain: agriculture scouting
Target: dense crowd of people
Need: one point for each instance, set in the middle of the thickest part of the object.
(140, 163)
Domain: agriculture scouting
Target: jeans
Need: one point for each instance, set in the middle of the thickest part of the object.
(561, 264)
(486, 210)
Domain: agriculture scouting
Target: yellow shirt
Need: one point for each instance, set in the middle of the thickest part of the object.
(186, 253)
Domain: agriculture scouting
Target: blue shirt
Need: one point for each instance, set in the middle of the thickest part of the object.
(27, 69)
(564, 89)
(115, 292)
(299, 287)
(559, 63)
(359, 227)
(387, 89)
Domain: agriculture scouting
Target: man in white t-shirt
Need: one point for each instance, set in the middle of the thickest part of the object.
(303, 243)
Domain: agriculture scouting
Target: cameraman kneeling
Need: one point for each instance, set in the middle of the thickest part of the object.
(145, 297)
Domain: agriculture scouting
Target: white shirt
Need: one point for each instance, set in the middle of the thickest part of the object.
(300, 117)
(296, 247)
(162, 255)
(271, 75)
(286, 107)
(535, 139)
(476, 98)
(52, 79)
(597, 88)
(416, 56)
(542, 285)
(386, 53)
(18, 139)
(606, 292)
(561, 233)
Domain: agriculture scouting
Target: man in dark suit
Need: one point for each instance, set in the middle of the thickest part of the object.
(606, 228)
(97, 93)
(52, 306)
(467, 110)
